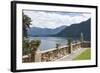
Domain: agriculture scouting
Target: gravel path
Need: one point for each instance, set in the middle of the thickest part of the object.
(72, 55)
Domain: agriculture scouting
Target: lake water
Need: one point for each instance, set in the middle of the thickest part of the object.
(50, 42)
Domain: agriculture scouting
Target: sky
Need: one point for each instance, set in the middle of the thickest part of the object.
(52, 20)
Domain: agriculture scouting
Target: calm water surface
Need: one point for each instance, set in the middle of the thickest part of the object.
(50, 42)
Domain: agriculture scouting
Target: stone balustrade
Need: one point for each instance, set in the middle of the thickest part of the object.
(56, 53)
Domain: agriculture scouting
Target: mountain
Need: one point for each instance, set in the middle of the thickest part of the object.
(75, 29)
(64, 31)
(37, 31)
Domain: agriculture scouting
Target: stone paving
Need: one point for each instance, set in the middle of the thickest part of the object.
(72, 55)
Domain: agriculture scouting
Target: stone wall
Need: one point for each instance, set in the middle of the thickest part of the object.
(56, 53)
(86, 44)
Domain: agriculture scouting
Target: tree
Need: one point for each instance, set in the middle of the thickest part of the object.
(69, 45)
(57, 47)
(30, 48)
(69, 42)
(26, 24)
(26, 47)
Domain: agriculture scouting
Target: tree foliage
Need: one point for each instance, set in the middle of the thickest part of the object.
(29, 46)
(57, 45)
(34, 44)
(26, 47)
(26, 24)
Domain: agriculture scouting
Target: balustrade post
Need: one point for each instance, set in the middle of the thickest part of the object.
(38, 56)
(33, 53)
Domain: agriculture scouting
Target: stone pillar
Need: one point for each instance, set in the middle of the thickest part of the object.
(38, 56)
(33, 56)
(33, 53)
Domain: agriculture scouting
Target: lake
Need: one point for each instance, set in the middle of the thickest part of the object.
(49, 42)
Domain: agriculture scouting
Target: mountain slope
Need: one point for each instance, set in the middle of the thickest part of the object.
(36, 31)
(64, 31)
(75, 29)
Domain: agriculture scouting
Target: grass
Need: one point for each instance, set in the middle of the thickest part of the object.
(85, 55)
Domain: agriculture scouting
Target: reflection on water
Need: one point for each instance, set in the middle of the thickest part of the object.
(50, 42)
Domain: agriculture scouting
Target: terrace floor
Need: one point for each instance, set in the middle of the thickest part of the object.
(72, 55)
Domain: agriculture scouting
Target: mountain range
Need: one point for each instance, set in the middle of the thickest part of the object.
(73, 30)
(37, 31)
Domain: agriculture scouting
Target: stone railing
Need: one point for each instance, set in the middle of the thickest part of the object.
(86, 44)
(56, 53)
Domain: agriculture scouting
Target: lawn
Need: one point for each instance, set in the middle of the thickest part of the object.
(85, 55)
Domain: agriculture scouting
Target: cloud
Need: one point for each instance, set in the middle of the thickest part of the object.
(47, 19)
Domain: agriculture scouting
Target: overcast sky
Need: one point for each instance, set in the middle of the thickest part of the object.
(51, 19)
